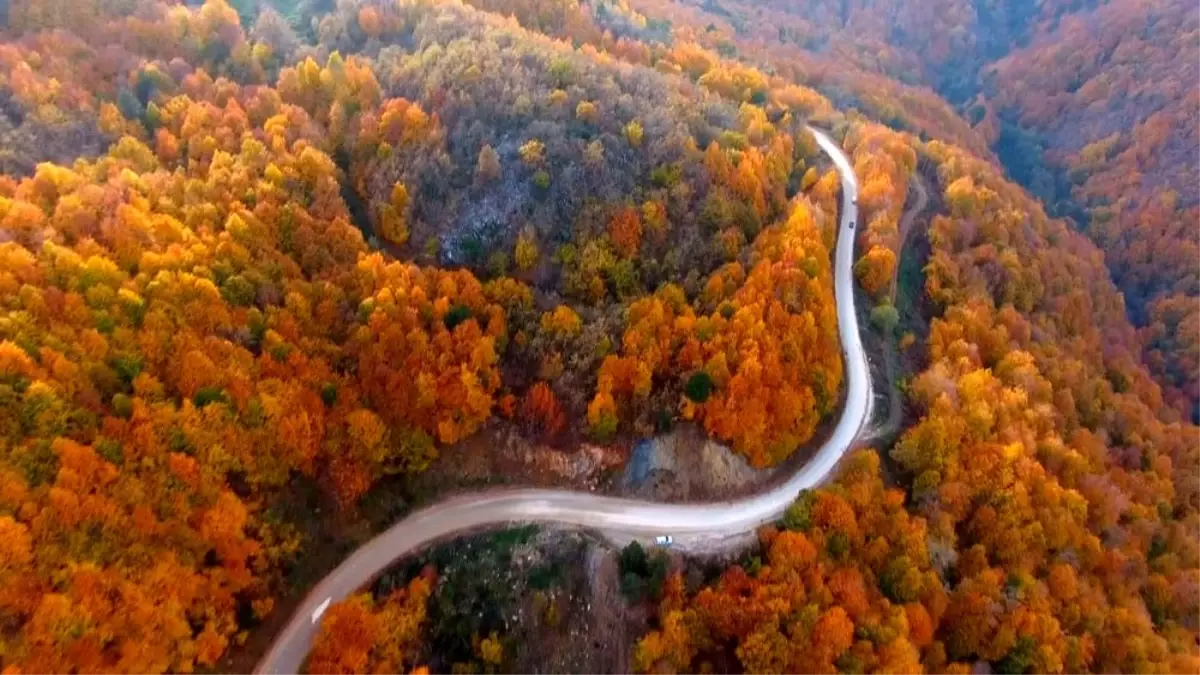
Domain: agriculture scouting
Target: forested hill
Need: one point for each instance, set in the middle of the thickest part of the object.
(270, 270)
(1091, 106)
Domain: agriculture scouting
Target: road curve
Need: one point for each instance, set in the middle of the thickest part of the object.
(630, 517)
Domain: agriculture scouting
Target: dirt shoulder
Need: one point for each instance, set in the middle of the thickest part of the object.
(908, 296)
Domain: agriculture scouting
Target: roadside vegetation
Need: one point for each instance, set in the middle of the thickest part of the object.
(272, 272)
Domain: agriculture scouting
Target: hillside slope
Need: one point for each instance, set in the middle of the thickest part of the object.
(263, 263)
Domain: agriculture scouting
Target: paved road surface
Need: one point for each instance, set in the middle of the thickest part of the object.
(689, 524)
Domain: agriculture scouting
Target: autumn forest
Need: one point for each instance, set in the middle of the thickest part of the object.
(275, 273)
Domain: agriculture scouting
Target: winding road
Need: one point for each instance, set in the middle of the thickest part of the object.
(689, 524)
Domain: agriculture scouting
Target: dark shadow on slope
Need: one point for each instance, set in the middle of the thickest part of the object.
(26, 139)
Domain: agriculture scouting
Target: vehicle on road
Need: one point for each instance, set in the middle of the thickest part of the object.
(663, 540)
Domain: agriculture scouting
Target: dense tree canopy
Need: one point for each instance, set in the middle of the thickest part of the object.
(1049, 524)
(1119, 111)
(247, 249)
(191, 322)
